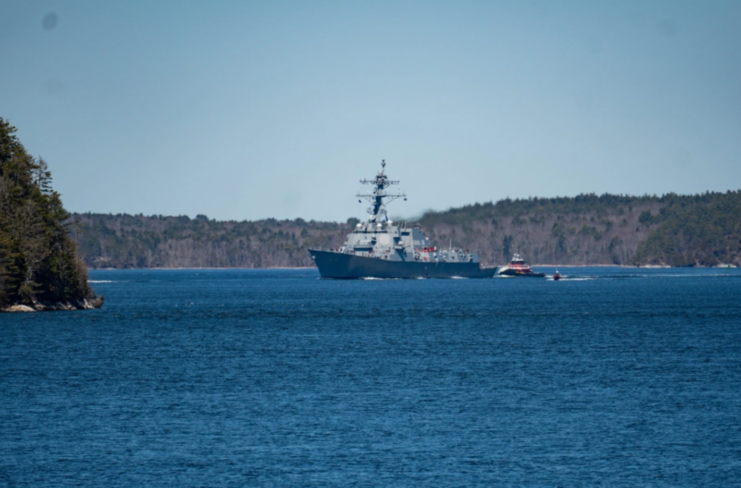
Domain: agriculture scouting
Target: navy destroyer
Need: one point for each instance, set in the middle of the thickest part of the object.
(377, 248)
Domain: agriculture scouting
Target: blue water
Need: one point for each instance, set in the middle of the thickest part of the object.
(611, 377)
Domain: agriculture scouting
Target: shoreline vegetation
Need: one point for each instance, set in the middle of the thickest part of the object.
(541, 265)
(40, 268)
(587, 230)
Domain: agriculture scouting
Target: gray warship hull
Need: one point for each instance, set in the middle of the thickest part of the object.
(379, 249)
(336, 265)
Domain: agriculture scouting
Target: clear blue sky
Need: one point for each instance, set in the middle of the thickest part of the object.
(247, 110)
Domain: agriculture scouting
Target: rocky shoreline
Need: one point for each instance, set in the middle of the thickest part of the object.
(87, 304)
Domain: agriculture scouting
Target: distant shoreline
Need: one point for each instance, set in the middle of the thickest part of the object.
(196, 268)
(724, 266)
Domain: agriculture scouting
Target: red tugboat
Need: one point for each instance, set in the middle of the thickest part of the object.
(518, 267)
(556, 276)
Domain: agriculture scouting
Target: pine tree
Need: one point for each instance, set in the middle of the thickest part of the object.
(38, 259)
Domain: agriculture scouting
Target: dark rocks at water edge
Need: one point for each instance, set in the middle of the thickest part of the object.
(86, 304)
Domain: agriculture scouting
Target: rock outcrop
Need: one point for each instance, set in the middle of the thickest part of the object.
(87, 304)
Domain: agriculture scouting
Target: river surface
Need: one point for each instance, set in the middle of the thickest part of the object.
(611, 377)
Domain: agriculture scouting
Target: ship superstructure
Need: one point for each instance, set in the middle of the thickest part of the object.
(519, 267)
(379, 248)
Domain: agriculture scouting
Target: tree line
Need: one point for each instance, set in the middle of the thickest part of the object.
(138, 241)
(589, 229)
(695, 230)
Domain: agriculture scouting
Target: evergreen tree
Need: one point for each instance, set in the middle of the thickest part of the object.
(38, 259)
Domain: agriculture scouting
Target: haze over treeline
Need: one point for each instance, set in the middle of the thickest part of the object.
(675, 230)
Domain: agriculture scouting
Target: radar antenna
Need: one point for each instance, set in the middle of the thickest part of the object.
(376, 198)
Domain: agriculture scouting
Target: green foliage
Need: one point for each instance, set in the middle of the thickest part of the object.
(645, 217)
(535, 208)
(696, 230)
(616, 250)
(590, 232)
(38, 259)
(605, 229)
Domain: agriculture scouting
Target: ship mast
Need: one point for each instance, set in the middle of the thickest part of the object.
(376, 198)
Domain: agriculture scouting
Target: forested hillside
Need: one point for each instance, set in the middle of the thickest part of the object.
(584, 230)
(39, 265)
(136, 241)
(587, 229)
(697, 230)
